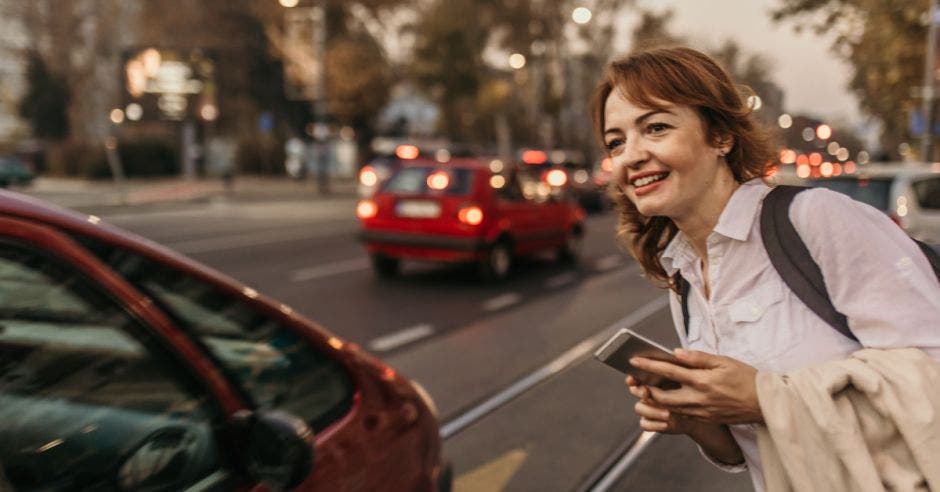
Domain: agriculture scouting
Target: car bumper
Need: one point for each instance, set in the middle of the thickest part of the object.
(453, 243)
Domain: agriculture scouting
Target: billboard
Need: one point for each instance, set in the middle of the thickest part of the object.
(173, 85)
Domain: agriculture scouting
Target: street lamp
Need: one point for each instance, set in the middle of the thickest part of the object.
(581, 15)
(288, 3)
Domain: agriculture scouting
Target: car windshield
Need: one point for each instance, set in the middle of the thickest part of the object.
(420, 180)
(873, 191)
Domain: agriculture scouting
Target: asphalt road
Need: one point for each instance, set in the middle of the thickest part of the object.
(523, 405)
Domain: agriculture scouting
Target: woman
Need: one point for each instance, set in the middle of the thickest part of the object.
(690, 161)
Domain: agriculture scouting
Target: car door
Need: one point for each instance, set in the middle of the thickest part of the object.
(97, 389)
(518, 212)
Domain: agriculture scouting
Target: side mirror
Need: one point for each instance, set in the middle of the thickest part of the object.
(279, 452)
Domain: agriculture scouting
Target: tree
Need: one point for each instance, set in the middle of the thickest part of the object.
(884, 42)
(45, 103)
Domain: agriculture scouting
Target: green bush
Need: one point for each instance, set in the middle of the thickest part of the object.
(148, 158)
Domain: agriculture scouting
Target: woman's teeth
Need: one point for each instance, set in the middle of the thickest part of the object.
(649, 179)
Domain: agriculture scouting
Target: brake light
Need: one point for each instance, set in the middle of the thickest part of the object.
(366, 209)
(368, 176)
(534, 157)
(407, 152)
(470, 215)
(556, 177)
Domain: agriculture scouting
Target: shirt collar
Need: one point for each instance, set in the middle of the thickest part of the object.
(735, 222)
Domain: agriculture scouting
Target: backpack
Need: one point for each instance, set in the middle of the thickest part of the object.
(790, 257)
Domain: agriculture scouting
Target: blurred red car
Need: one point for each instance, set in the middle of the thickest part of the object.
(126, 366)
(469, 210)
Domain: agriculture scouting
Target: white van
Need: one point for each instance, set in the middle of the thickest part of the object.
(908, 193)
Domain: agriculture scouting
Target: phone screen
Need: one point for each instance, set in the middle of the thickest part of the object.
(626, 344)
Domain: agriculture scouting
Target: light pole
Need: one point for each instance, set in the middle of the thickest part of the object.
(929, 77)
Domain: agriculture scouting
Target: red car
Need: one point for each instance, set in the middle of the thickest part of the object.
(469, 210)
(126, 366)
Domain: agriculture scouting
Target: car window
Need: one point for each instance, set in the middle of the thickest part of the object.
(83, 403)
(414, 181)
(928, 193)
(873, 191)
(274, 364)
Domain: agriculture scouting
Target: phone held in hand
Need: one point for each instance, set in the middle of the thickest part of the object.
(626, 344)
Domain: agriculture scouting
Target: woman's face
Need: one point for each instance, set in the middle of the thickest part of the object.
(662, 157)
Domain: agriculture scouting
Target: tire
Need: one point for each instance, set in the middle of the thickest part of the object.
(498, 262)
(385, 267)
(570, 252)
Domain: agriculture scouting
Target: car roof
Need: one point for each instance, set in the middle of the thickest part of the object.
(456, 162)
(889, 170)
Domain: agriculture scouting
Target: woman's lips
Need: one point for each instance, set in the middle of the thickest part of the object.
(643, 190)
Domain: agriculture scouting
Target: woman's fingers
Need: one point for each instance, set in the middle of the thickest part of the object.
(648, 411)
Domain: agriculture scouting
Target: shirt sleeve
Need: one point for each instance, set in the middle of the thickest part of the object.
(875, 274)
(742, 467)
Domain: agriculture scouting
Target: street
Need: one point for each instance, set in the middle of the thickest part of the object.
(523, 404)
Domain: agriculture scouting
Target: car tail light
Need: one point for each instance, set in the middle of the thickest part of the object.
(366, 209)
(556, 177)
(470, 215)
(368, 176)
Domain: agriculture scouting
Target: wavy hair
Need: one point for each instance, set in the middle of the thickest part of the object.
(681, 76)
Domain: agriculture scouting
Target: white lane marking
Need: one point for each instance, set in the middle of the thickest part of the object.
(609, 262)
(573, 355)
(560, 280)
(397, 339)
(612, 476)
(503, 301)
(328, 269)
(247, 239)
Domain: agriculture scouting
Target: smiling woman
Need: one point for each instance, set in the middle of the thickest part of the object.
(689, 161)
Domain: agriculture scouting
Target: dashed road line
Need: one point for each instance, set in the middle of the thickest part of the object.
(502, 302)
(561, 280)
(609, 262)
(329, 269)
(399, 338)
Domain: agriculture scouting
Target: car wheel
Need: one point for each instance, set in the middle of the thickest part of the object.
(498, 262)
(384, 266)
(571, 250)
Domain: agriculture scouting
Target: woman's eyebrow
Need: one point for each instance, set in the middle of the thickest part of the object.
(646, 115)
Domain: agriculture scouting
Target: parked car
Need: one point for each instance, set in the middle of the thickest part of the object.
(13, 171)
(908, 193)
(469, 210)
(126, 366)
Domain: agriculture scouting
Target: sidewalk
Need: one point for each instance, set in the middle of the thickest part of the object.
(96, 196)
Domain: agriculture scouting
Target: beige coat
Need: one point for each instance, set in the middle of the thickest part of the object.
(867, 423)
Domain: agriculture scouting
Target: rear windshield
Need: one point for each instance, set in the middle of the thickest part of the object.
(873, 191)
(414, 181)
(928, 193)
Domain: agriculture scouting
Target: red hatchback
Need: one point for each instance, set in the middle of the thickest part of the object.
(126, 366)
(469, 210)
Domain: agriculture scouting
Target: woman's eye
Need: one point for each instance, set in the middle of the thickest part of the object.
(613, 144)
(657, 127)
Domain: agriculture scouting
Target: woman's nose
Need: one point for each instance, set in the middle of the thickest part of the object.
(634, 154)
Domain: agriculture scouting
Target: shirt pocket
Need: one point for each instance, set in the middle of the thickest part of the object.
(759, 331)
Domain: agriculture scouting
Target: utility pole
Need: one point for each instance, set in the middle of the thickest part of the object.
(926, 148)
(321, 131)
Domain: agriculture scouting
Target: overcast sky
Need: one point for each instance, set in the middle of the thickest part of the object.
(813, 80)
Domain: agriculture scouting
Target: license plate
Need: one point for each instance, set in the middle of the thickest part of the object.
(418, 209)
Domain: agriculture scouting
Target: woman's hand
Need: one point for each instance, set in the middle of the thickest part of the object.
(715, 389)
(654, 418)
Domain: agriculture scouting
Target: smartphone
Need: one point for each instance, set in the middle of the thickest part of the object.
(626, 344)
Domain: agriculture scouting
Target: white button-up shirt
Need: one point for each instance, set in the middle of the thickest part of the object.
(874, 274)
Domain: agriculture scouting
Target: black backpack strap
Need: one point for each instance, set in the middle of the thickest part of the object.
(932, 257)
(792, 260)
(682, 289)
